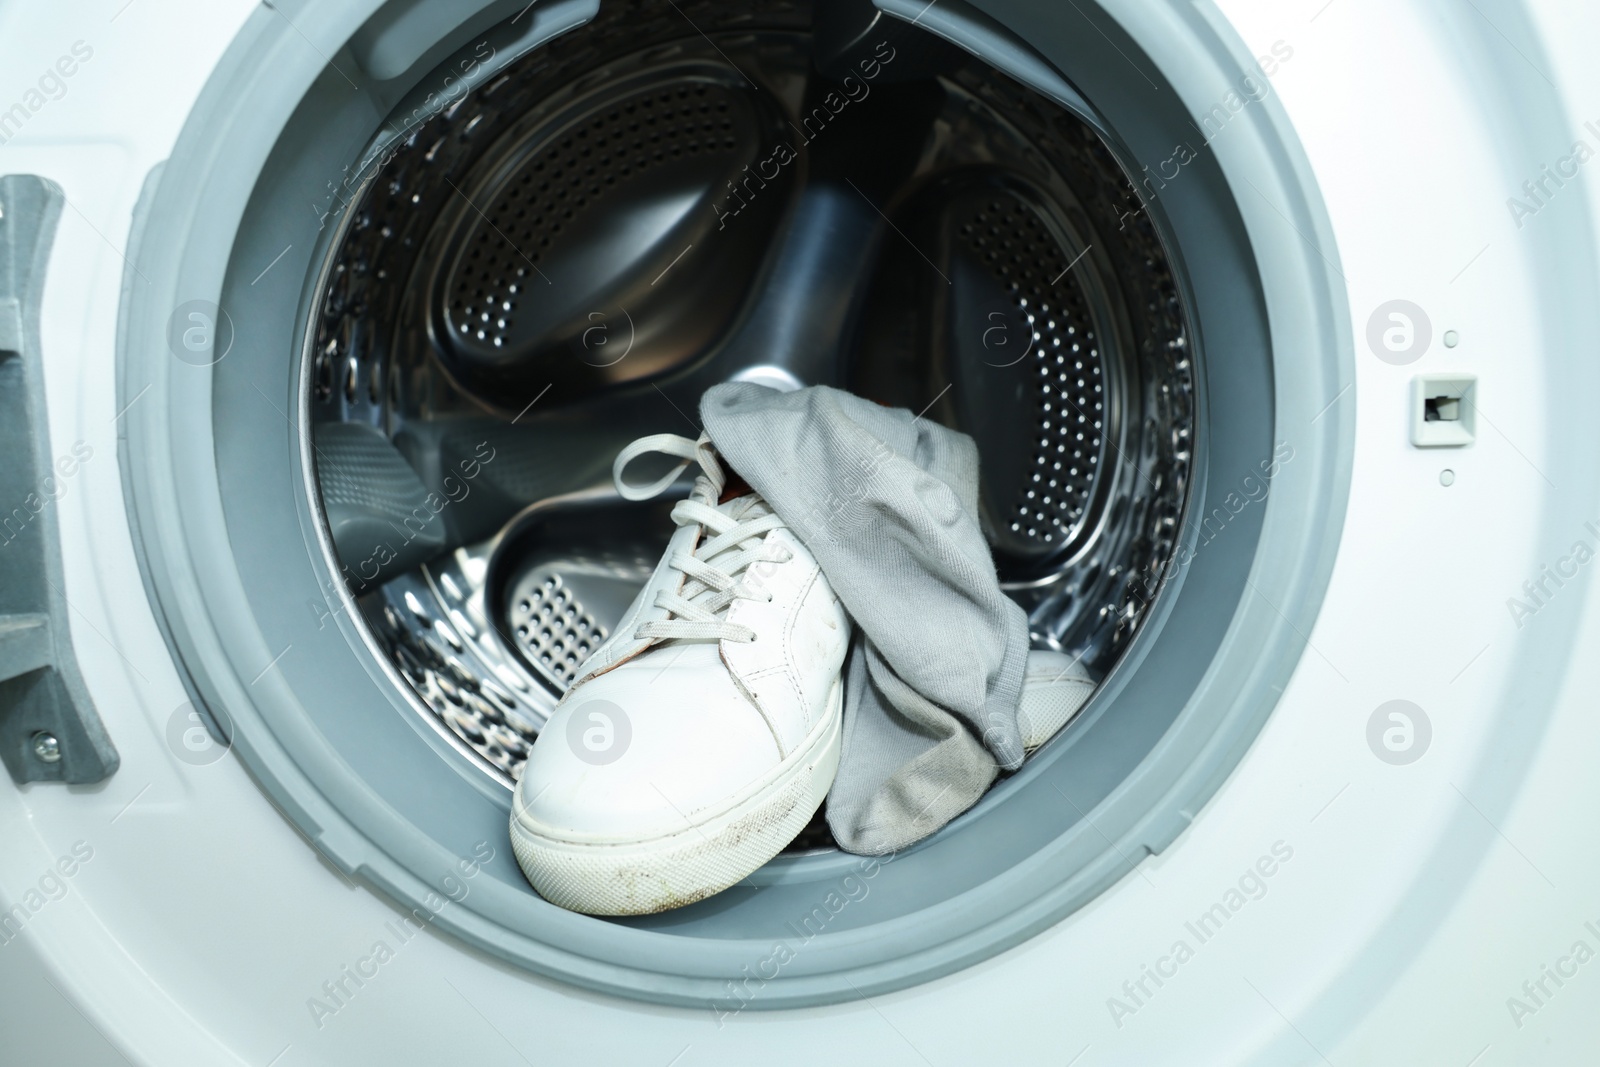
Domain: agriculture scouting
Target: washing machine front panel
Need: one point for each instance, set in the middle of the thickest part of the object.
(1330, 960)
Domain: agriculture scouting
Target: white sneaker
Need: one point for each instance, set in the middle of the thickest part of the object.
(703, 735)
(1055, 688)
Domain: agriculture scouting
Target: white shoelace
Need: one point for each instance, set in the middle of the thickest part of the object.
(713, 573)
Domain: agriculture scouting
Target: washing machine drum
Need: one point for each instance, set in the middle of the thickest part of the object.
(566, 259)
(612, 211)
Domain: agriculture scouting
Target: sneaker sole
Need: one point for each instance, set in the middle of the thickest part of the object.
(715, 851)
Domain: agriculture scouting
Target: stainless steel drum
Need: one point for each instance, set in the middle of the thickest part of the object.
(564, 259)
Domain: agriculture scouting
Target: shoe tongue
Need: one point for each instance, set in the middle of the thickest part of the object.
(734, 487)
(739, 499)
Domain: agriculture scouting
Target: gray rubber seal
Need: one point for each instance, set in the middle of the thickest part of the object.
(234, 551)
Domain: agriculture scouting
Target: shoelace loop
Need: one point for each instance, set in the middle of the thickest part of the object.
(713, 572)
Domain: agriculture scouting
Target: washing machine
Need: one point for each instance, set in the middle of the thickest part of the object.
(321, 324)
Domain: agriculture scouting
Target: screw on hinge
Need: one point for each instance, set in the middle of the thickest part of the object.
(46, 747)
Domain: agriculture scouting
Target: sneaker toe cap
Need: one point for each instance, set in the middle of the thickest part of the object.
(627, 759)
